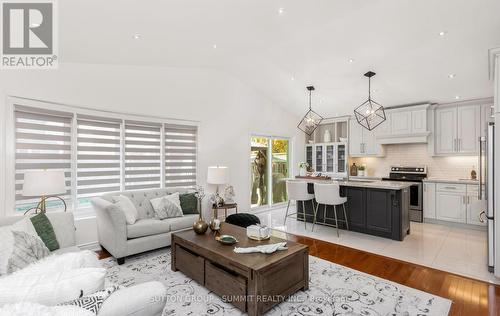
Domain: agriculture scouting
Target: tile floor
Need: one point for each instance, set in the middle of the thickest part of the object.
(458, 250)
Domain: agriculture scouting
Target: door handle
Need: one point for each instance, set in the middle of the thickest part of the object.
(482, 216)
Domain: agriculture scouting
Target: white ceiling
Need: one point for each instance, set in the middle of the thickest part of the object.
(312, 41)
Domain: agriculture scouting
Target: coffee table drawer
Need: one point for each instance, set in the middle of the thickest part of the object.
(190, 264)
(227, 284)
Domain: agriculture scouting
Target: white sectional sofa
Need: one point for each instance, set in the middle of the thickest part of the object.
(147, 233)
(139, 300)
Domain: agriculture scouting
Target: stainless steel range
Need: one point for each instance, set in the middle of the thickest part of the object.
(415, 175)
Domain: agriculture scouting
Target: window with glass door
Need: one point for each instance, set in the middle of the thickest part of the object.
(269, 167)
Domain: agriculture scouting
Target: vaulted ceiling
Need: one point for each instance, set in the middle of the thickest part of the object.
(279, 47)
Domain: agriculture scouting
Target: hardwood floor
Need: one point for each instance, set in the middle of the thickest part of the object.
(470, 297)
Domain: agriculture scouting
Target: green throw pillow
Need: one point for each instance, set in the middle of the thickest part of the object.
(45, 231)
(189, 203)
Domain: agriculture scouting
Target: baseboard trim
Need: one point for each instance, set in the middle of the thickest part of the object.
(94, 246)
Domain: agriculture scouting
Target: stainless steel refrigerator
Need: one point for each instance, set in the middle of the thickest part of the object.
(489, 191)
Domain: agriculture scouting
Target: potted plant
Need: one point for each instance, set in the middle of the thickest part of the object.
(303, 169)
(361, 170)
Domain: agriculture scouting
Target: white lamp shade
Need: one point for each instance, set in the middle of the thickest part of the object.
(218, 175)
(44, 183)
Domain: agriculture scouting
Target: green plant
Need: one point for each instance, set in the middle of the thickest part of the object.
(361, 168)
(303, 165)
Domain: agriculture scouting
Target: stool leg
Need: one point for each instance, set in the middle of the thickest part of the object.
(336, 222)
(304, 212)
(315, 214)
(324, 215)
(345, 217)
(286, 214)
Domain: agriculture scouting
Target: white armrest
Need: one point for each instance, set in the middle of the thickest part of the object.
(111, 227)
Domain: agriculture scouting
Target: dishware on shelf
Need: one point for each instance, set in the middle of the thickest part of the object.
(343, 139)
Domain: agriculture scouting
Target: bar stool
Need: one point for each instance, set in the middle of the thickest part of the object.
(329, 194)
(297, 191)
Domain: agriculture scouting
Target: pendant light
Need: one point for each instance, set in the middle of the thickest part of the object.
(370, 114)
(311, 120)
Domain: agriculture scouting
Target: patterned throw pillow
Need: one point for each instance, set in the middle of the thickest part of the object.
(167, 206)
(19, 249)
(45, 231)
(93, 302)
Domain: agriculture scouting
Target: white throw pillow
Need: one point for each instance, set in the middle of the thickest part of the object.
(51, 288)
(63, 262)
(167, 206)
(20, 246)
(128, 208)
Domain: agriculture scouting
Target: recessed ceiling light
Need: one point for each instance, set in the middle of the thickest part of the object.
(292, 78)
(351, 60)
(443, 33)
(451, 76)
(137, 36)
(214, 46)
(281, 11)
(457, 97)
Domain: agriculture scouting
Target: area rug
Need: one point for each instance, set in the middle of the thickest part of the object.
(333, 290)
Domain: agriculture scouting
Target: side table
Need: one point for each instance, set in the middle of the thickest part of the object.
(224, 207)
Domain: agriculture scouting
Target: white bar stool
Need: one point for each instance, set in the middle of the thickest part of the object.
(329, 194)
(297, 191)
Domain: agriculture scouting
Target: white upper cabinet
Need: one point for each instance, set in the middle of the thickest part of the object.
(400, 122)
(419, 121)
(404, 125)
(457, 130)
(446, 130)
(363, 142)
(468, 129)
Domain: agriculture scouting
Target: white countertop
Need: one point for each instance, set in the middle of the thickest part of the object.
(444, 180)
(364, 183)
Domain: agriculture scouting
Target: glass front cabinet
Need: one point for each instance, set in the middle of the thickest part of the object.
(327, 158)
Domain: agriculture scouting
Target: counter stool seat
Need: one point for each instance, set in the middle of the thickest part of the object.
(329, 194)
(297, 191)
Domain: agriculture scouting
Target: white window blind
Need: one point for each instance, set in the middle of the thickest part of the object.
(42, 142)
(180, 155)
(98, 157)
(142, 155)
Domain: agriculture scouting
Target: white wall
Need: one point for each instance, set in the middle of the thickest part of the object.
(229, 110)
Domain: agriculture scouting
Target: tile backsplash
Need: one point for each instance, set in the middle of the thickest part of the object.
(454, 167)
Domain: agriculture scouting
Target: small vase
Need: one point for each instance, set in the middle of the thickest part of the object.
(200, 226)
(327, 137)
(302, 172)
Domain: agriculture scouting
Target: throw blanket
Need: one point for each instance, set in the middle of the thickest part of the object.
(270, 248)
(34, 309)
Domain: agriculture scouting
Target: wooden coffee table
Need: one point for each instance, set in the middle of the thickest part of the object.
(252, 282)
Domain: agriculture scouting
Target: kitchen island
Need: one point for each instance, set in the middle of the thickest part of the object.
(374, 207)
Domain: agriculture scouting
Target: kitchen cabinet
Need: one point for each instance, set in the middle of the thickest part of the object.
(446, 130)
(429, 197)
(468, 129)
(363, 142)
(457, 129)
(404, 125)
(453, 202)
(475, 206)
(328, 158)
(451, 206)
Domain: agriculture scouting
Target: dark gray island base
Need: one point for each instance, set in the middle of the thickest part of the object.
(379, 211)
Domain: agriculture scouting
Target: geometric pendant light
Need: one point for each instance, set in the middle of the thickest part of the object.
(311, 120)
(370, 114)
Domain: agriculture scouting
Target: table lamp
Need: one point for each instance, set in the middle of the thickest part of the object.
(218, 175)
(44, 184)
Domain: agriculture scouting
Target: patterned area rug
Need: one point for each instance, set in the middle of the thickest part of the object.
(333, 290)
